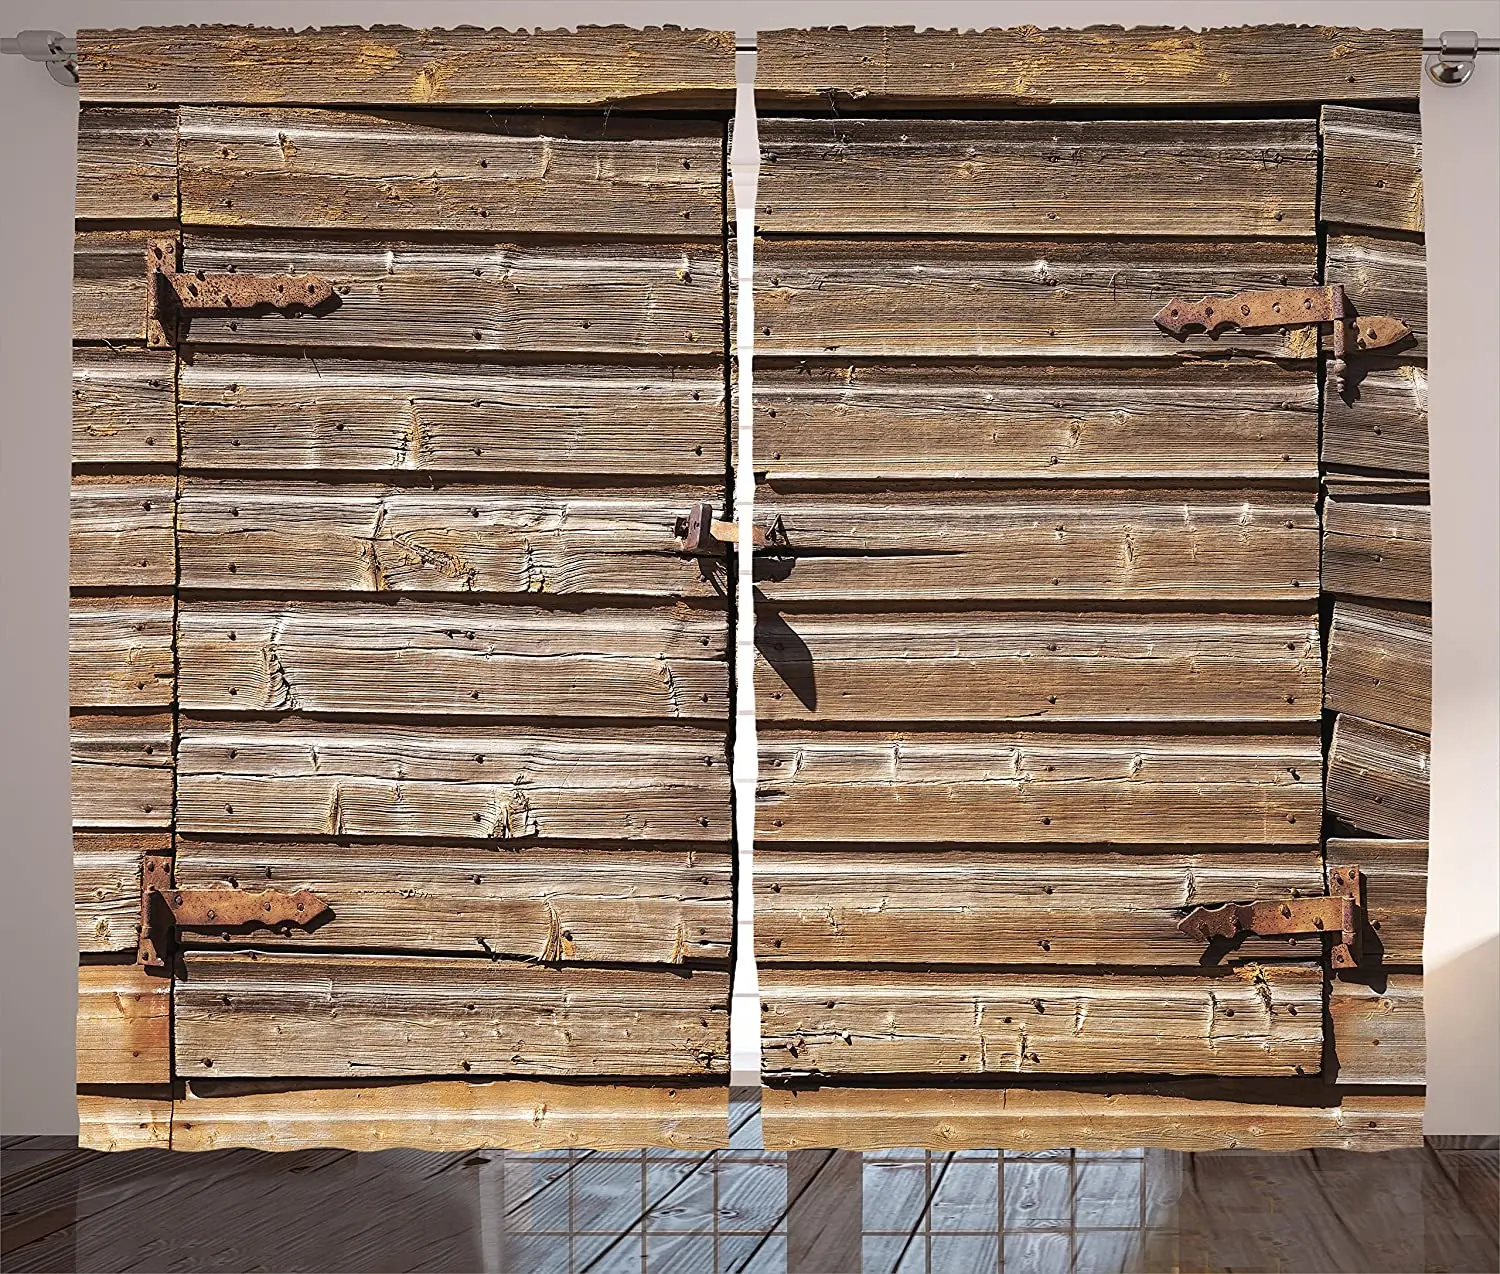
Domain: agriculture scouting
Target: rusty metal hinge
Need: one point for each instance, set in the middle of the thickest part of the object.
(170, 292)
(700, 532)
(166, 908)
(1340, 912)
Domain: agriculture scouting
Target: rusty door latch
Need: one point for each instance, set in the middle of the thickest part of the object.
(170, 292)
(700, 533)
(166, 908)
(1339, 912)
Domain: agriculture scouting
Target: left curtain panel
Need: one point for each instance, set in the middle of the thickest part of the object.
(400, 667)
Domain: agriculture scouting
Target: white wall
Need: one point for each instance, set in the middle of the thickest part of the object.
(38, 956)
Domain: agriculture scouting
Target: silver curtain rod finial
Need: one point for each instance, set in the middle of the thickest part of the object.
(1453, 57)
(58, 52)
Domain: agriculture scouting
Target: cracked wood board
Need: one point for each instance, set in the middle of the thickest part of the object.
(107, 886)
(1380, 665)
(121, 531)
(120, 652)
(122, 770)
(1372, 168)
(123, 408)
(1378, 777)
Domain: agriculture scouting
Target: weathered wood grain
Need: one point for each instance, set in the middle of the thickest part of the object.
(1380, 421)
(1377, 549)
(1379, 1030)
(1043, 1119)
(453, 1115)
(124, 1025)
(107, 886)
(492, 784)
(895, 906)
(538, 902)
(984, 666)
(122, 769)
(125, 1118)
(123, 406)
(1395, 883)
(592, 66)
(476, 539)
(120, 531)
(1199, 419)
(625, 297)
(127, 164)
(440, 658)
(1192, 178)
(1054, 789)
(120, 652)
(1384, 273)
(1160, 545)
(288, 1016)
(446, 170)
(1378, 777)
(1372, 168)
(248, 412)
(1001, 298)
(109, 284)
(1409, 488)
(1380, 666)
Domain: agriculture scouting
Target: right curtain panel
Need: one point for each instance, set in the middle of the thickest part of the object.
(1093, 629)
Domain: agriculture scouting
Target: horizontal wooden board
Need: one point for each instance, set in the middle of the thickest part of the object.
(107, 886)
(984, 666)
(1034, 544)
(452, 1115)
(120, 652)
(834, 1022)
(121, 533)
(1380, 665)
(1379, 1030)
(124, 408)
(445, 657)
(1377, 549)
(1342, 485)
(1384, 274)
(122, 769)
(446, 170)
(592, 66)
(371, 538)
(1395, 883)
(127, 164)
(893, 905)
(1380, 420)
(124, 1025)
(1378, 777)
(109, 284)
(1372, 168)
(125, 1118)
(537, 901)
(662, 298)
(1043, 1119)
(1199, 419)
(290, 778)
(964, 298)
(1057, 789)
(286, 1016)
(1043, 177)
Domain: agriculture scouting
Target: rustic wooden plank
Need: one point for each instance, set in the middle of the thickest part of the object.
(1411, 488)
(478, 539)
(123, 406)
(120, 652)
(1200, 419)
(535, 901)
(1379, 1031)
(125, 1119)
(1193, 178)
(1380, 421)
(1160, 545)
(1377, 549)
(894, 905)
(487, 783)
(1057, 789)
(286, 1016)
(122, 769)
(829, 1022)
(250, 412)
(1384, 273)
(452, 1115)
(1378, 777)
(623, 297)
(984, 298)
(107, 886)
(1372, 168)
(127, 164)
(431, 658)
(1395, 883)
(447, 170)
(592, 66)
(109, 284)
(120, 531)
(124, 1025)
(1380, 665)
(984, 666)
(1042, 1119)
(867, 68)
